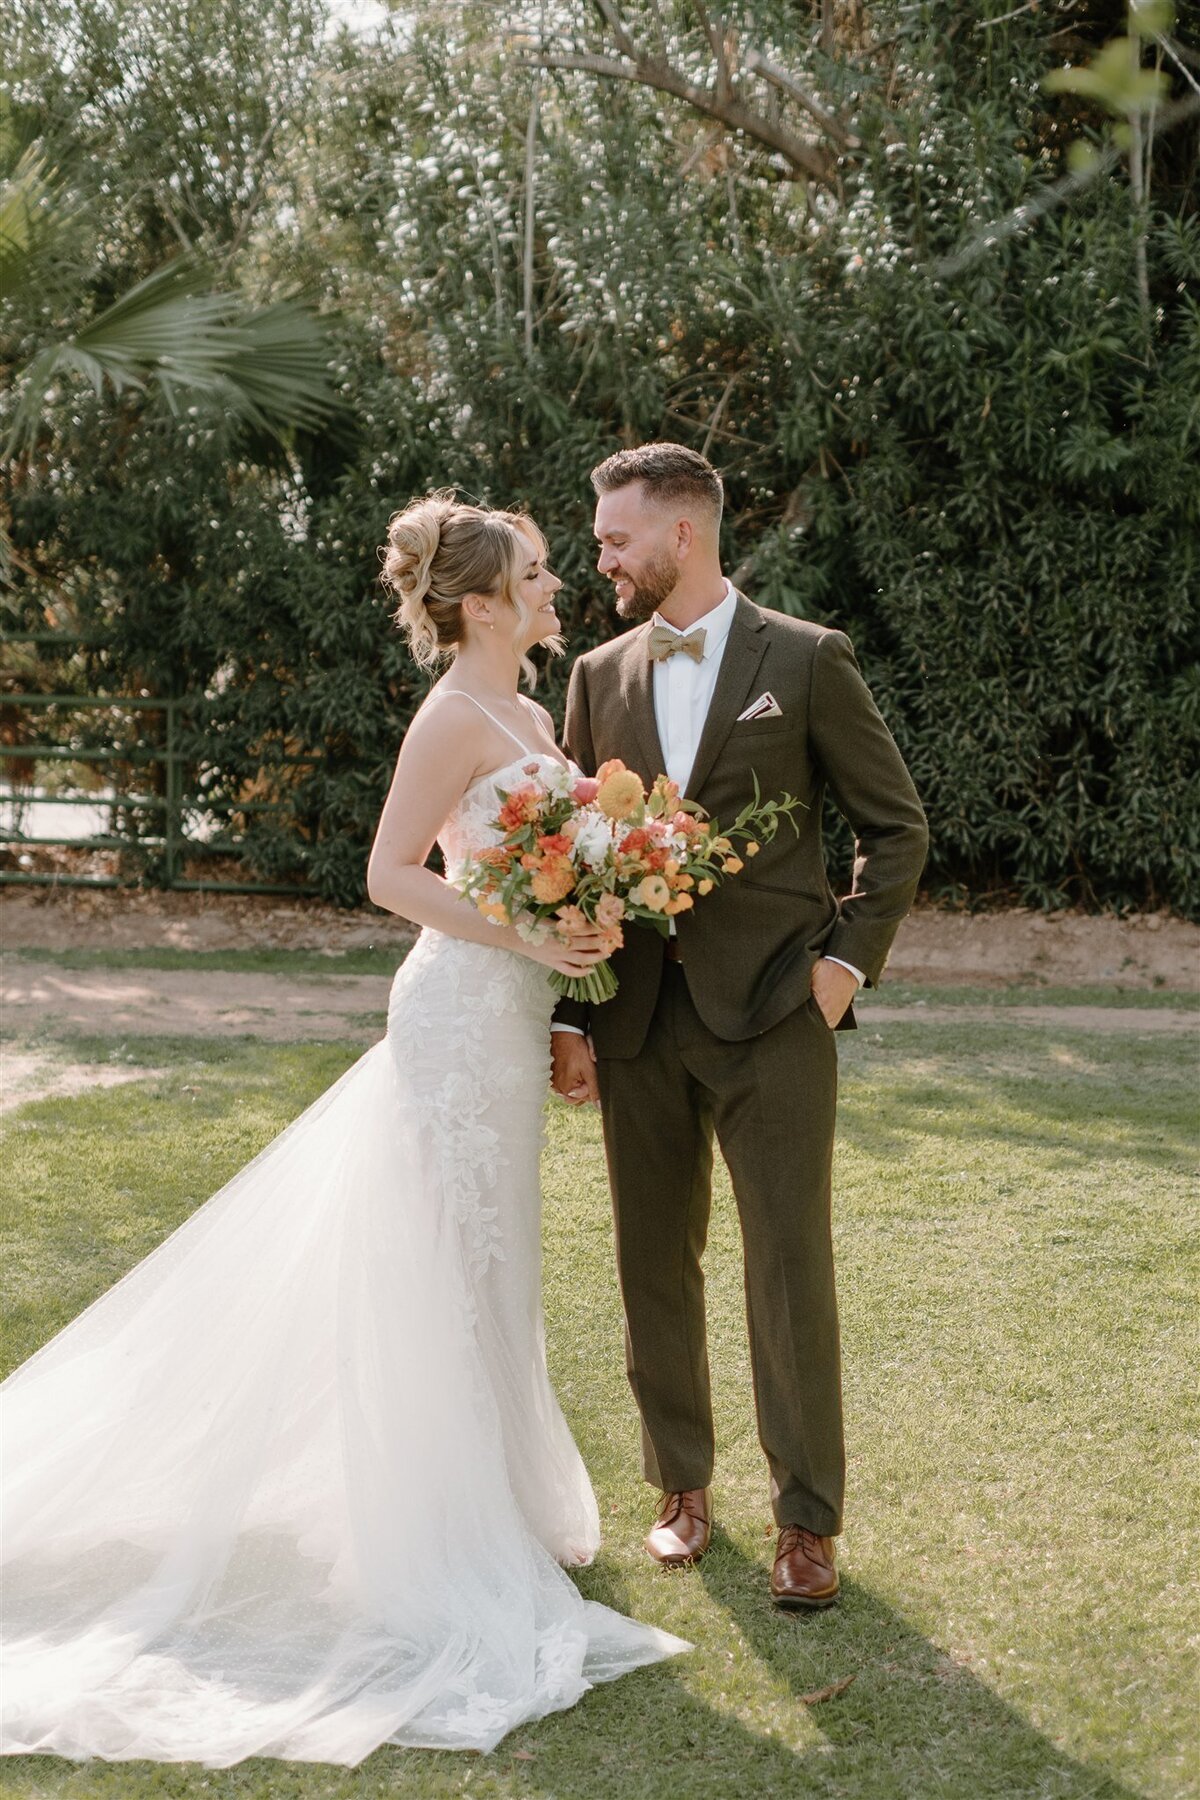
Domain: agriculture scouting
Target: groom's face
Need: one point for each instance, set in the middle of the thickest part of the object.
(638, 550)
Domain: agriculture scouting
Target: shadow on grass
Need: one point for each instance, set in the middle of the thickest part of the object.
(910, 1725)
(1071, 1128)
(913, 1721)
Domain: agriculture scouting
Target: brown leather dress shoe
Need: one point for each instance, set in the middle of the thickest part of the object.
(681, 1532)
(805, 1576)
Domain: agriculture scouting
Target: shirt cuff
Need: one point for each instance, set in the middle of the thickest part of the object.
(575, 1030)
(843, 964)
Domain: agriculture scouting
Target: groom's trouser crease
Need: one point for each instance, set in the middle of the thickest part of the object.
(771, 1102)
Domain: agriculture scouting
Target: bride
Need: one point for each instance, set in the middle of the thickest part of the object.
(298, 1485)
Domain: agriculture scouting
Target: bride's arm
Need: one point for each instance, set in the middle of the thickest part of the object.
(440, 752)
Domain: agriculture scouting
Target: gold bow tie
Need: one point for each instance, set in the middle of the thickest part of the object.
(664, 642)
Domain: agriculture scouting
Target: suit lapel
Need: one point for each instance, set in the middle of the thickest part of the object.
(744, 650)
(637, 694)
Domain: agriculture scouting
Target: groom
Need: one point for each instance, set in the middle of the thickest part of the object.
(726, 1028)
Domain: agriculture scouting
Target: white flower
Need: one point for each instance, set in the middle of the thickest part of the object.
(534, 931)
(593, 840)
(559, 781)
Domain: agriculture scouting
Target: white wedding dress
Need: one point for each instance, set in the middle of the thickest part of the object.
(298, 1485)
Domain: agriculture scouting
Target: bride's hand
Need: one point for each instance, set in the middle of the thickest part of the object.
(572, 953)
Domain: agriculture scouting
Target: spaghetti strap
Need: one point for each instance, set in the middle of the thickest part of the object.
(463, 695)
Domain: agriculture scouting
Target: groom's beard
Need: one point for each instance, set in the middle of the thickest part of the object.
(656, 583)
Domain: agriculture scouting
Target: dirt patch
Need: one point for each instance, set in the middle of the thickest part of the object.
(352, 1009)
(109, 919)
(32, 1075)
(1147, 950)
(1144, 951)
(284, 1009)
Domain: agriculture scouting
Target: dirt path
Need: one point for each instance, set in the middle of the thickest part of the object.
(1146, 950)
(44, 998)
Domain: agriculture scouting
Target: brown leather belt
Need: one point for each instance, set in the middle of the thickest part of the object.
(672, 952)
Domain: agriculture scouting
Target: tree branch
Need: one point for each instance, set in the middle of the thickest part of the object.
(1058, 192)
(757, 64)
(804, 159)
(616, 25)
(530, 181)
(716, 41)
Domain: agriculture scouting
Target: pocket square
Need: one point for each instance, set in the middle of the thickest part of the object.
(765, 707)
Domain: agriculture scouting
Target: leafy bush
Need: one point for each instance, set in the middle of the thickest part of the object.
(978, 459)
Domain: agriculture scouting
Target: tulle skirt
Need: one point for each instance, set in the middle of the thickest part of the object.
(298, 1485)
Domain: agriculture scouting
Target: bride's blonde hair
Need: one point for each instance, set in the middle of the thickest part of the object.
(438, 550)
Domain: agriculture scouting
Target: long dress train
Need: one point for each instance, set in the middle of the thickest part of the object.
(298, 1485)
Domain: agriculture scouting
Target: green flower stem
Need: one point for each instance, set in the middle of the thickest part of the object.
(597, 986)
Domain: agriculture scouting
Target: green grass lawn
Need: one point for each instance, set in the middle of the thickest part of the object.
(1013, 1219)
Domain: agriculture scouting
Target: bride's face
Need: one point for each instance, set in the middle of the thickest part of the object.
(537, 586)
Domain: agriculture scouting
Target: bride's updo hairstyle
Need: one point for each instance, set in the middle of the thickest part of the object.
(440, 550)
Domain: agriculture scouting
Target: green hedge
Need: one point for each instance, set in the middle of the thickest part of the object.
(987, 477)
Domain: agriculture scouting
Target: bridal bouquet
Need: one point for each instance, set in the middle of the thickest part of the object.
(602, 851)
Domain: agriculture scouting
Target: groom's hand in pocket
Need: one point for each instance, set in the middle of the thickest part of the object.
(573, 1067)
(833, 988)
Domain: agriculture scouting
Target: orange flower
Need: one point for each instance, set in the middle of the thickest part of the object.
(521, 807)
(492, 909)
(553, 881)
(555, 841)
(634, 841)
(752, 847)
(653, 892)
(679, 904)
(733, 865)
(571, 918)
(614, 766)
(705, 885)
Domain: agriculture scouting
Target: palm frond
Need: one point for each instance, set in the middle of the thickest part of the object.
(266, 365)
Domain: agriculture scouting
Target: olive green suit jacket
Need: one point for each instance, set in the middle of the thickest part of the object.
(748, 948)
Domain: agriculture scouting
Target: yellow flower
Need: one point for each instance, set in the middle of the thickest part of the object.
(653, 892)
(679, 904)
(752, 847)
(722, 844)
(493, 910)
(733, 865)
(705, 886)
(621, 795)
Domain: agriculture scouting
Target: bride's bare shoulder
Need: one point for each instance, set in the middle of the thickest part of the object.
(448, 710)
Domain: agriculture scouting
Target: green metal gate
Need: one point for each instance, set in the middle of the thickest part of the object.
(158, 745)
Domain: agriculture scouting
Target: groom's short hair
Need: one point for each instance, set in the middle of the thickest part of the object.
(668, 472)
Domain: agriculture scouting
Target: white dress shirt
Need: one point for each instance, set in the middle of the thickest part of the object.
(683, 691)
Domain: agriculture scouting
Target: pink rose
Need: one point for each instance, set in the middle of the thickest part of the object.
(585, 790)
